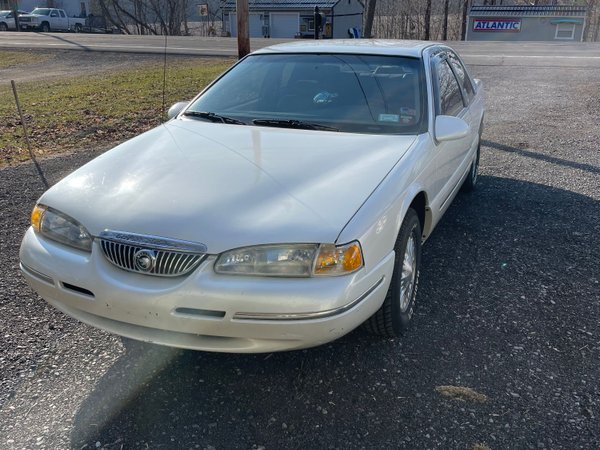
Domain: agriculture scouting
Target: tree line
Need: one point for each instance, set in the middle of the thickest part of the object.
(447, 19)
(389, 19)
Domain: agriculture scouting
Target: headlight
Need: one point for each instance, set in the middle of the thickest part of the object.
(294, 260)
(60, 227)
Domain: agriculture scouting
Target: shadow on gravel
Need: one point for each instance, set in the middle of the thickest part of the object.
(551, 159)
(508, 279)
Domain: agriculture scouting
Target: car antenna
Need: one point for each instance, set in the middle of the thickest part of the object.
(31, 155)
(164, 76)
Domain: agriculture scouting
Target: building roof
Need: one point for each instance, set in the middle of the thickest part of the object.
(282, 4)
(528, 11)
(411, 49)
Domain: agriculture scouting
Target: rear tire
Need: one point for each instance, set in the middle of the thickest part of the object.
(3, 27)
(393, 318)
(471, 180)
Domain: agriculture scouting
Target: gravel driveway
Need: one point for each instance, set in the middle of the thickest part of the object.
(509, 307)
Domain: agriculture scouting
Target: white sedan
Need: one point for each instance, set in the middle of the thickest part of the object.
(280, 209)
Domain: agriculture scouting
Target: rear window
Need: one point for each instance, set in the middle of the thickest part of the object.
(352, 93)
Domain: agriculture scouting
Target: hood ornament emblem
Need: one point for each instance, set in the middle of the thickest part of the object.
(144, 260)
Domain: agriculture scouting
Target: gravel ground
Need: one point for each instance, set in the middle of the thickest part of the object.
(509, 307)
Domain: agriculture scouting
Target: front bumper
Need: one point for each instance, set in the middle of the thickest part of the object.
(203, 310)
(29, 25)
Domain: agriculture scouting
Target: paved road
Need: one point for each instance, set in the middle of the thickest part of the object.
(493, 53)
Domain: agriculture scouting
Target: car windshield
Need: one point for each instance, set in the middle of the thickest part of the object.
(41, 11)
(350, 93)
(4, 13)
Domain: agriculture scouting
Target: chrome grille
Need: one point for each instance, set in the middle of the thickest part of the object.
(151, 255)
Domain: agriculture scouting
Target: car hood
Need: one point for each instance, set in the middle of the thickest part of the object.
(229, 186)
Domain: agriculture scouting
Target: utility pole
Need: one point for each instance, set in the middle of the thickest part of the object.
(15, 12)
(243, 30)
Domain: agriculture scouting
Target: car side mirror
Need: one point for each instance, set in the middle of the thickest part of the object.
(176, 109)
(450, 128)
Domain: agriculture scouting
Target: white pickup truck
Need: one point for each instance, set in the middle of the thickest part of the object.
(50, 19)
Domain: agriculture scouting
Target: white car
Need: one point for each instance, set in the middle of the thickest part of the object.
(50, 19)
(280, 209)
(7, 20)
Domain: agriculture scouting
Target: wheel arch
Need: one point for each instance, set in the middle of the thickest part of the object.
(416, 198)
(421, 206)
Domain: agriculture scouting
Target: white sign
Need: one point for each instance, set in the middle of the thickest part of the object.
(203, 10)
(503, 25)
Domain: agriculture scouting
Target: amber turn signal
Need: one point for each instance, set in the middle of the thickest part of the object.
(36, 216)
(338, 260)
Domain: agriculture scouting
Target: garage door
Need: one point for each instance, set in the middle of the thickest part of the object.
(284, 25)
(255, 25)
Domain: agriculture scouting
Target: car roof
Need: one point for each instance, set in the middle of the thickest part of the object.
(412, 49)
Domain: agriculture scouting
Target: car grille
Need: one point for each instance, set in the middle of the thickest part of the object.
(25, 19)
(151, 255)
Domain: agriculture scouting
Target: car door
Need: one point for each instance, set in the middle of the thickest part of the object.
(54, 20)
(448, 101)
(64, 20)
(10, 21)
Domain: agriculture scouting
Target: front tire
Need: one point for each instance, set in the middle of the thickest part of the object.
(45, 27)
(393, 318)
(78, 28)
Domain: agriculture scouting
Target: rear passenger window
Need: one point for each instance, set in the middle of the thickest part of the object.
(448, 91)
(463, 77)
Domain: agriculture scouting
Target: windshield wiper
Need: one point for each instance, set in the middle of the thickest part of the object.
(213, 117)
(292, 124)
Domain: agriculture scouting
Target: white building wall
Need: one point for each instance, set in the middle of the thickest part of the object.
(347, 14)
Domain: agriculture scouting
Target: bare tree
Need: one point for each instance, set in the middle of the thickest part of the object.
(147, 16)
(368, 29)
(591, 6)
(427, 20)
(463, 29)
(445, 26)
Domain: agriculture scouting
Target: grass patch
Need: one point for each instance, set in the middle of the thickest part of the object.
(461, 393)
(10, 59)
(85, 111)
